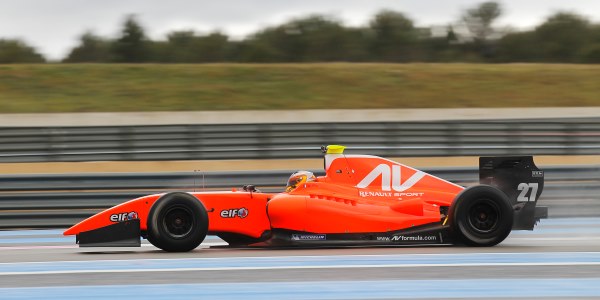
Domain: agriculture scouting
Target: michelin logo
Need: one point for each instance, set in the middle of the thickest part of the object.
(309, 237)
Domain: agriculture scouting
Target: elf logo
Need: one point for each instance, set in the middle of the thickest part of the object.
(232, 213)
(391, 178)
(123, 216)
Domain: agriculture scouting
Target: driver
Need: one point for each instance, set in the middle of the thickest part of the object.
(299, 178)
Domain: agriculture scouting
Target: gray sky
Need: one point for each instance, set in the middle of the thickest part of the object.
(53, 26)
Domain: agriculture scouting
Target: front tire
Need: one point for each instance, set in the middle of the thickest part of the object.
(481, 216)
(177, 222)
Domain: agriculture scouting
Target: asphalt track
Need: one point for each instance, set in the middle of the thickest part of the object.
(558, 260)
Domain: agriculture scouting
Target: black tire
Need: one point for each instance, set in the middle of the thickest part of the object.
(177, 222)
(481, 216)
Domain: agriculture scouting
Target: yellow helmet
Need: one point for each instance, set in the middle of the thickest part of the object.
(299, 178)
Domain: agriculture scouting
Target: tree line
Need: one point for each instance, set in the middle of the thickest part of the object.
(389, 36)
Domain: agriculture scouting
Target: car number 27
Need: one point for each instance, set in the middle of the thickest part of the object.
(525, 188)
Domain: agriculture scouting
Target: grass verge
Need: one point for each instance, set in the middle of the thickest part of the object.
(188, 87)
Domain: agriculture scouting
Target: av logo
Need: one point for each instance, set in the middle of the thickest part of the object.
(390, 178)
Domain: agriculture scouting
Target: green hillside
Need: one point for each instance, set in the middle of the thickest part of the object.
(157, 87)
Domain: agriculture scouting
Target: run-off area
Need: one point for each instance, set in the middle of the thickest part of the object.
(560, 258)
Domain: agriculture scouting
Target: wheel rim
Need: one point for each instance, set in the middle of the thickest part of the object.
(484, 216)
(178, 221)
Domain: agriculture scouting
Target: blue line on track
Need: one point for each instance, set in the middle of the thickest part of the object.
(7, 233)
(386, 289)
(38, 240)
(141, 265)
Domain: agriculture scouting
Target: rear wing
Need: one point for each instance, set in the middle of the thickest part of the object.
(522, 181)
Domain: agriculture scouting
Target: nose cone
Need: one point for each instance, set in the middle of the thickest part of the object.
(96, 221)
(130, 210)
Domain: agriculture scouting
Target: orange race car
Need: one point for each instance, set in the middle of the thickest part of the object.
(361, 200)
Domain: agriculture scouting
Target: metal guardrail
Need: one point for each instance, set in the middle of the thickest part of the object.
(266, 141)
(35, 201)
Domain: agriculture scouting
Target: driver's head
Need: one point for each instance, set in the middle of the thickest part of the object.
(299, 178)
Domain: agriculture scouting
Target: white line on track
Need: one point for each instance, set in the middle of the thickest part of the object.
(35, 247)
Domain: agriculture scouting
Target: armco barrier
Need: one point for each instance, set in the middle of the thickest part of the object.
(265, 141)
(37, 201)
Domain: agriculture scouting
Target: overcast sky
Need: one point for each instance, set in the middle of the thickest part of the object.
(53, 26)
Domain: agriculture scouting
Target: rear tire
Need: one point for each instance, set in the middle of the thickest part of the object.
(177, 222)
(481, 216)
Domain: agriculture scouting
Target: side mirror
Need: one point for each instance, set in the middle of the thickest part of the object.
(249, 188)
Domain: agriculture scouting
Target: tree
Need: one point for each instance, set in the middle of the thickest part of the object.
(356, 46)
(479, 20)
(451, 36)
(187, 47)
(393, 36)
(253, 50)
(591, 52)
(518, 47)
(212, 47)
(91, 49)
(16, 51)
(132, 45)
(313, 38)
(179, 47)
(562, 36)
(320, 38)
(389, 36)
